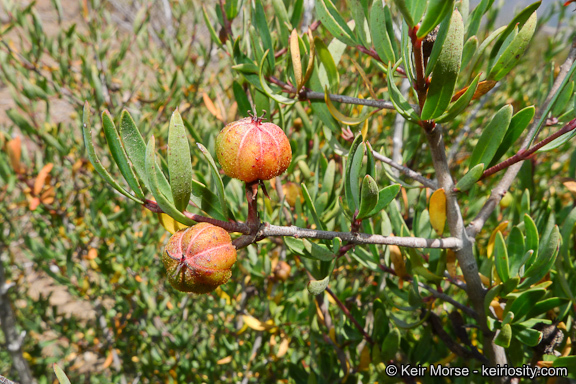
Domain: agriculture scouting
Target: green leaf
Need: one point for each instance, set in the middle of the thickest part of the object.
(259, 19)
(353, 165)
(119, 155)
(318, 251)
(501, 257)
(437, 10)
(545, 260)
(369, 197)
(491, 295)
(211, 30)
(461, 104)
(528, 336)
(524, 303)
(391, 344)
(62, 378)
(133, 145)
(24, 125)
(405, 10)
(206, 200)
(445, 71)
(296, 245)
(400, 103)
(516, 250)
(532, 239)
(334, 23)
(504, 336)
(153, 172)
(217, 179)
(179, 162)
(470, 178)
(438, 44)
(518, 124)
(565, 361)
(381, 38)
(511, 55)
(316, 287)
(312, 208)
(492, 136)
(563, 99)
(244, 106)
(360, 23)
(469, 49)
(87, 135)
(385, 197)
(567, 230)
(325, 57)
(545, 306)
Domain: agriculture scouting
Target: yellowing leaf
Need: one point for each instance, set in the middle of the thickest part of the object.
(257, 325)
(211, 107)
(365, 359)
(311, 60)
(398, 261)
(225, 360)
(437, 211)
(571, 186)
(41, 178)
(109, 359)
(283, 348)
(170, 224)
(222, 294)
(340, 116)
(295, 54)
(365, 79)
(500, 228)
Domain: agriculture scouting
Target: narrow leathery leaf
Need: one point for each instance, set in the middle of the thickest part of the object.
(400, 103)
(446, 71)
(405, 325)
(528, 336)
(267, 90)
(511, 55)
(311, 59)
(119, 154)
(567, 230)
(470, 178)
(152, 171)
(491, 241)
(23, 124)
(545, 306)
(405, 11)
(244, 106)
(216, 177)
(357, 11)
(436, 11)
(518, 21)
(368, 198)
(516, 246)
(134, 146)
(316, 287)
(518, 124)
(508, 318)
(563, 99)
(179, 162)
(211, 30)
(169, 223)
(334, 23)
(296, 60)
(461, 102)
(325, 57)
(295, 245)
(491, 295)
(532, 238)
(438, 44)
(469, 49)
(385, 197)
(509, 285)
(284, 22)
(328, 179)
(87, 135)
(380, 38)
(504, 336)
(368, 85)
(524, 303)
(354, 175)
(545, 260)
(318, 251)
(501, 258)
(311, 207)
(246, 68)
(557, 142)
(437, 210)
(259, 19)
(491, 137)
(347, 181)
(339, 115)
(62, 378)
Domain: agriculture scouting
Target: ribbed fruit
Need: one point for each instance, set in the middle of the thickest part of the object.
(198, 259)
(250, 150)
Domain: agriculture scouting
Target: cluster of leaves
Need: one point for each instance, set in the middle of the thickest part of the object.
(105, 249)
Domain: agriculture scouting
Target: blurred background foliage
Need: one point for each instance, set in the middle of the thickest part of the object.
(90, 290)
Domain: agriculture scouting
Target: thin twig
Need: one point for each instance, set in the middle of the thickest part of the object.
(442, 296)
(349, 316)
(407, 171)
